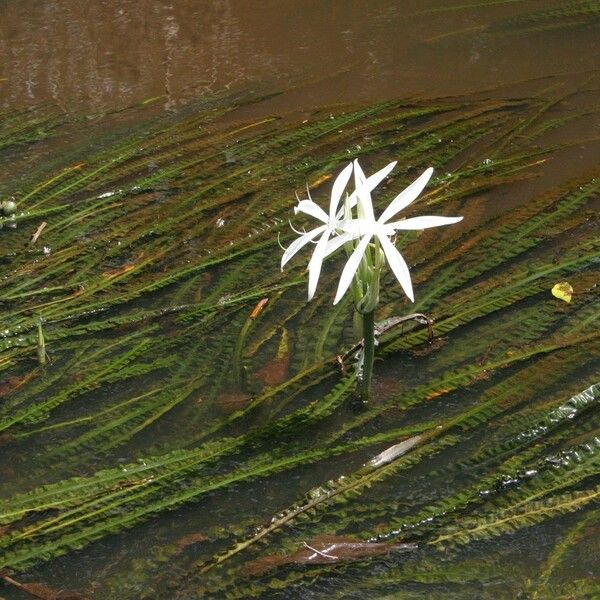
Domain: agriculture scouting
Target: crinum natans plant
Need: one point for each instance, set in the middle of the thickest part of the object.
(369, 244)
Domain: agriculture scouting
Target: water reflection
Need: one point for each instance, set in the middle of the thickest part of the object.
(90, 56)
(98, 55)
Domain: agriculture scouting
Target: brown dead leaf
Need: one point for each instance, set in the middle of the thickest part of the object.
(274, 372)
(188, 540)
(125, 268)
(437, 393)
(14, 383)
(120, 271)
(259, 308)
(231, 402)
(42, 591)
(325, 549)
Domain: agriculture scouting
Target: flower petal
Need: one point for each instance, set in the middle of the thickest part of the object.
(299, 243)
(359, 174)
(309, 207)
(423, 222)
(398, 265)
(363, 194)
(315, 263)
(338, 241)
(340, 183)
(405, 197)
(350, 268)
(372, 182)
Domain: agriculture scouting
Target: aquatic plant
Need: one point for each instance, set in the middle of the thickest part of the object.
(367, 242)
(162, 247)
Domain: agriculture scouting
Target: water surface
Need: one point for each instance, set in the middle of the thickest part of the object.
(171, 138)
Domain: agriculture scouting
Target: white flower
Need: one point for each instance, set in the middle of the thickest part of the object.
(331, 223)
(366, 227)
(332, 234)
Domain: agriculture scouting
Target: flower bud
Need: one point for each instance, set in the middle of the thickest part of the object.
(8, 207)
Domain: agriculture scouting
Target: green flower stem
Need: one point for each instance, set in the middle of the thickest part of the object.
(368, 320)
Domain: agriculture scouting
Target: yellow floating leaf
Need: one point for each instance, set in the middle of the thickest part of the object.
(563, 291)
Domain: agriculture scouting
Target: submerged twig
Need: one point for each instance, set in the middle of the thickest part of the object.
(381, 328)
(37, 233)
(323, 554)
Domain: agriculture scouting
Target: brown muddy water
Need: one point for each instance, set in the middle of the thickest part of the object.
(96, 56)
(101, 57)
(114, 67)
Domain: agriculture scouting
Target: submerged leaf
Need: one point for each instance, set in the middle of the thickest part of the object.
(393, 452)
(42, 591)
(259, 308)
(326, 549)
(190, 539)
(274, 372)
(14, 383)
(230, 402)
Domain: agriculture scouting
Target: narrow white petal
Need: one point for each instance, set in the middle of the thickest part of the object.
(309, 207)
(340, 183)
(364, 202)
(398, 265)
(359, 174)
(315, 263)
(424, 222)
(371, 182)
(337, 242)
(405, 197)
(350, 268)
(374, 180)
(299, 243)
